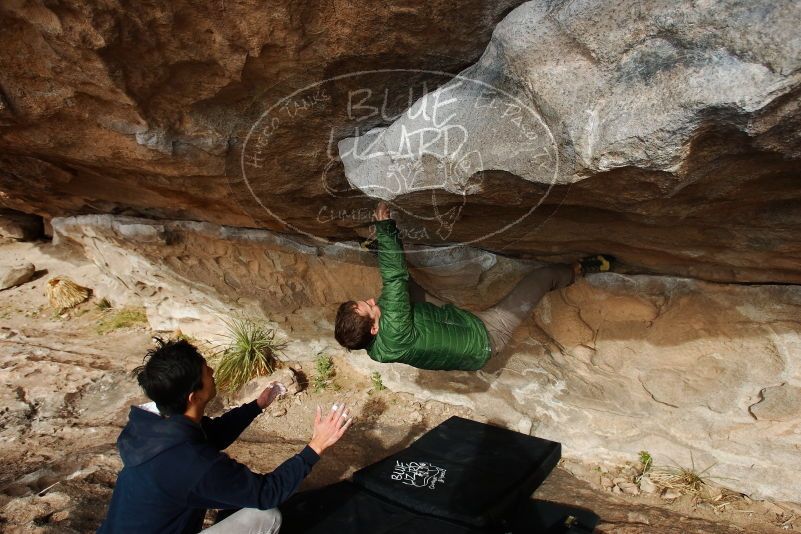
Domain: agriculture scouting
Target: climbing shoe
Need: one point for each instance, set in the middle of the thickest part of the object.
(596, 264)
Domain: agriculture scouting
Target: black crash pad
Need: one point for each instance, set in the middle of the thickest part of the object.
(463, 471)
(345, 508)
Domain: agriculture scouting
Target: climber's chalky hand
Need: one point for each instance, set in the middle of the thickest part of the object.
(382, 211)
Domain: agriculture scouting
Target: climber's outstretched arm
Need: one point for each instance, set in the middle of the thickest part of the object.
(396, 321)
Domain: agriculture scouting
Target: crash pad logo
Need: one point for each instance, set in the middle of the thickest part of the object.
(418, 474)
(429, 143)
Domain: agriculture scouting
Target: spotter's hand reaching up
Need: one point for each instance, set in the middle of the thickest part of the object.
(329, 426)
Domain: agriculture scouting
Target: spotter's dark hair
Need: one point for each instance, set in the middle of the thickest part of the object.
(172, 370)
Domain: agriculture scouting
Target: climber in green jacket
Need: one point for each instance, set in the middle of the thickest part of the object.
(428, 336)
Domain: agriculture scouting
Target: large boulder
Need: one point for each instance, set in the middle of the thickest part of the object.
(241, 151)
(186, 271)
(665, 133)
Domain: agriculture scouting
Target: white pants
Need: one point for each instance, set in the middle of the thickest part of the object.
(249, 521)
(503, 319)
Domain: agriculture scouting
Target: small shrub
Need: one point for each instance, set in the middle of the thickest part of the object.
(125, 318)
(251, 350)
(103, 304)
(324, 377)
(378, 384)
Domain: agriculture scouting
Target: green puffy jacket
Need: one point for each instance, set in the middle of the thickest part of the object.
(421, 334)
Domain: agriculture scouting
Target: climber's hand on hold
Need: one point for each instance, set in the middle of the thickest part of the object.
(382, 211)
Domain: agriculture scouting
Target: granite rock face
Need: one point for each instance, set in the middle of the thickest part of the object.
(185, 271)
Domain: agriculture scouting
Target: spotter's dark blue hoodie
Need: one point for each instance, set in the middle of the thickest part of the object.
(173, 471)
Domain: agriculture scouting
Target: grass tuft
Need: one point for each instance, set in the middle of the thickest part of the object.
(251, 350)
(325, 371)
(124, 318)
(103, 304)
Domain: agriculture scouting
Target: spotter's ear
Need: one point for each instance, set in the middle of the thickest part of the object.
(374, 328)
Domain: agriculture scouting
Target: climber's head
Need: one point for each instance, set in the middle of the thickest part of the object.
(357, 323)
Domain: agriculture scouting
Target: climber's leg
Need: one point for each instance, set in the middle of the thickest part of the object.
(503, 319)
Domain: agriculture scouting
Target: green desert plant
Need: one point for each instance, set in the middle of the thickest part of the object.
(250, 350)
(124, 318)
(324, 372)
(646, 460)
(378, 384)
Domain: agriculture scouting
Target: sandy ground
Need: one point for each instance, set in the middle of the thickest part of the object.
(66, 390)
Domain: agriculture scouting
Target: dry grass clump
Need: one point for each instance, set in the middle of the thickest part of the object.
(251, 350)
(681, 479)
(673, 482)
(64, 294)
(688, 481)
